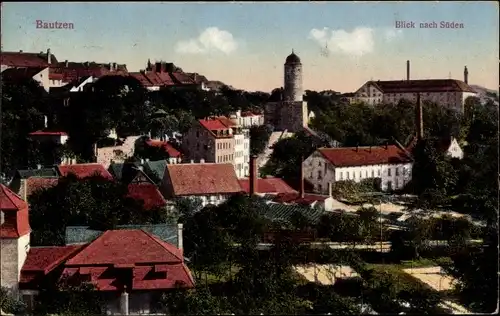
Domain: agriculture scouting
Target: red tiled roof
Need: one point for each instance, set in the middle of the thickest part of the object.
(43, 133)
(430, 85)
(85, 170)
(16, 221)
(9, 201)
(267, 185)
(126, 246)
(34, 184)
(21, 59)
(365, 156)
(45, 259)
(295, 198)
(226, 121)
(201, 179)
(182, 78)
(172, 152)
(217, 124)
(148, 193)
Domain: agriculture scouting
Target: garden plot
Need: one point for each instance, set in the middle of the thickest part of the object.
(325, 274)
(435, 277)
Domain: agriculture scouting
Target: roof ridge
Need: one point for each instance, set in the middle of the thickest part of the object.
(159, 242)
(10, 192)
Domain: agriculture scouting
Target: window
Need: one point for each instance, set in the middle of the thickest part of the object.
(319, 174)
(397, 172)
(396, 183)
(341, 176)
(319, 163)
(348, 175)
(389, 172)
(320, 188)
(389, 185)
(373, 173)
(311, 175)
(378, 172)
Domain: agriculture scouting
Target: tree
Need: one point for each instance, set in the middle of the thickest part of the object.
(23, 103)
(9, 304)
(199, 301)
(69, 297)
(259, 137)
(419, 232)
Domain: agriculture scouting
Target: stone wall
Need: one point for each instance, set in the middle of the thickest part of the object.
(117, 154)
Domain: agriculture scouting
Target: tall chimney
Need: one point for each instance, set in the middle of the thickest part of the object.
(408, 70)
(419, 119)
(302, 190)
(253, 175)
(66, 63)
(124, 303)
(48, 56)
(466, 75)
(180, 237)
(330, 189)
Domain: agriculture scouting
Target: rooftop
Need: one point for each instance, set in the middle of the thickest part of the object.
(428, 85)
(148, 193)
(365, 156)
(85, 170)
(202, 179)
(267, 185)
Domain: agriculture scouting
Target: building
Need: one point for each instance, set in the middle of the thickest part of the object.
(161, 75)
(247, 119)
(263, 186)
(218, 140)
(211, 183)
(39, 74)
(26, 60)
(84, 170)
(390, 163)
(122, 150)
(290, 113)
(129, 267)
(174, 156)
(449, 93)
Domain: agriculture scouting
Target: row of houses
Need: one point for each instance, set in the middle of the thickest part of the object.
(67, 76)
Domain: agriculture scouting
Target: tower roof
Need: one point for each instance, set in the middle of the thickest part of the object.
(9, 201)
(292, 59)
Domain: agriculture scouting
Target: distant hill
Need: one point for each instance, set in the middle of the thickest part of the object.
(485, 94)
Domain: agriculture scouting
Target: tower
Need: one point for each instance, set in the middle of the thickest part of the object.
(466, 75)
(419, 120)
(293, 78)
(15, 237)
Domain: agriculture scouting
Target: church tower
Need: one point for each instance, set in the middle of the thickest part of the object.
(293, 79)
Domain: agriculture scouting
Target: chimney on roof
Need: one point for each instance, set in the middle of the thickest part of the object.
(115, 66)
(180, 237)
(202, 160)
(110, 66)
(39, 166)
(21, 51)
(48, 56)
(386, 144)
(407, 70)
(158, 67)
(253, 175)
(357, 147)
(419, 120)
(66, 64)
(192, 161)
(330, 189)
(45, 121)
(302, 189)
(466, 75)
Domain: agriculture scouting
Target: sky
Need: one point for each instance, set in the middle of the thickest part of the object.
(341, 45)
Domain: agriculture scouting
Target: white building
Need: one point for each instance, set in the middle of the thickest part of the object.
(450, 93)
(391, 164)
(247, 119)
(241, 152)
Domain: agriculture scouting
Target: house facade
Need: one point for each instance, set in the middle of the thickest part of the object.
(391, 164)
(218, 140)
(449, 93)
(247, 119)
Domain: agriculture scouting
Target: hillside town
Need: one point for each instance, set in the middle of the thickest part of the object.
(163, 192)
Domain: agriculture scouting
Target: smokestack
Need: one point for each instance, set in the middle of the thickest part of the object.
(419, 119)
(330, 189)
(407, 70)
(48, 56)
(180, 238)
(253, 175)
(302, 190)
(466, 75)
